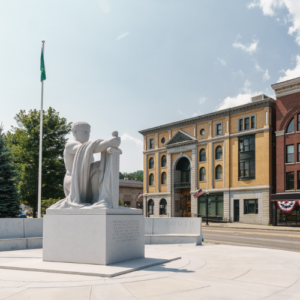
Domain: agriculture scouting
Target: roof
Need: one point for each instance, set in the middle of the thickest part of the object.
(131, 183)
(209, 116)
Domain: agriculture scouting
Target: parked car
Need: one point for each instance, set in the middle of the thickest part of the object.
(22, 215)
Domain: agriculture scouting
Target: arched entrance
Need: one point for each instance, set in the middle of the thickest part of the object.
(182, 186)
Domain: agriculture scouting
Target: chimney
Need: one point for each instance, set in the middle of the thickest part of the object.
(259, 98)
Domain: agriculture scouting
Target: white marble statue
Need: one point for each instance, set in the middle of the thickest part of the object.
(89, 184)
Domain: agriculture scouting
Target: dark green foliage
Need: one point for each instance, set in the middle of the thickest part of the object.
(24, 142)
(47, 203)
(9, 198)
(136, 174)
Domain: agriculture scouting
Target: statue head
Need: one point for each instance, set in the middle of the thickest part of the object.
(81, 131)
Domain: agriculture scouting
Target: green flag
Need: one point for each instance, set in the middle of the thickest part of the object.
(43, 71)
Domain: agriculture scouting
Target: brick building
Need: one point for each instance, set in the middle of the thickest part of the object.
(287, 150)
(227, 153)
(129, 190)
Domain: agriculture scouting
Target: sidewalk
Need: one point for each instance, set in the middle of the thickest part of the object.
(237, 225)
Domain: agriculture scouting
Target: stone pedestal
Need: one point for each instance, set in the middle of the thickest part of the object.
(93, 236)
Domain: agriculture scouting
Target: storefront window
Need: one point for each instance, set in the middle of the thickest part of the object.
(215, 206)
(250, 206)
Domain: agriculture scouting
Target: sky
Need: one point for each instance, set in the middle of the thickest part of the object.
(135, 64)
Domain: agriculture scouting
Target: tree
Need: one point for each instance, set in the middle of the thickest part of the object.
(24, 142)
(9, 198)
(135, 175)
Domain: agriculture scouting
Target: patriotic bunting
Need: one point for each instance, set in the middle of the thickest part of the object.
(287, 206)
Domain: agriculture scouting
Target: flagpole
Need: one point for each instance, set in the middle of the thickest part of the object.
(41, 146)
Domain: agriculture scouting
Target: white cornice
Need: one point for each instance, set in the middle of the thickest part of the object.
(287, 87)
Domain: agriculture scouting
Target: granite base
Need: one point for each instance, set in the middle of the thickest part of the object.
(93, 239)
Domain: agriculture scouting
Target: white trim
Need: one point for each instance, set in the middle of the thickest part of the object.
(267, 118)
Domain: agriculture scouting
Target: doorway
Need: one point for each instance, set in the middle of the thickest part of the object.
(236, 210)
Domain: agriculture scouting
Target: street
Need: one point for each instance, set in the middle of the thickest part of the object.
(272, 239)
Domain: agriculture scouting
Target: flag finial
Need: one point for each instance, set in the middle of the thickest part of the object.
(43, 41)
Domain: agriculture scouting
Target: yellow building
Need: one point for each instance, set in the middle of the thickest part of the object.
(227, 154)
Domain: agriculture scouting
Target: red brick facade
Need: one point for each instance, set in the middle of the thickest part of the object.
(287, 107)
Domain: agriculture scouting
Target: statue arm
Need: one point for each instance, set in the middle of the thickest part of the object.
(104, 144)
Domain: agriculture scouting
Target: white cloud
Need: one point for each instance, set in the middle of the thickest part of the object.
(266, 75)
(258, 68)
(222, 61)
(131, 159)
(122, 36)
(202, 100)
(104, 6)
(239, 72)
(127, 137)
(240, 99)
(293, 6)
(250, 48)
(197, 113)
(292, 73)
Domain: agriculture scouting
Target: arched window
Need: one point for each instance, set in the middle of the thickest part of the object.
(202, 174)
(151, 179)
(291, 126)
(183, 165)
(151, 163)
(163, 207)
(163, 178)
(219, 152)
(151, 207)
(219, 170)
(163, 161)
(202, 155)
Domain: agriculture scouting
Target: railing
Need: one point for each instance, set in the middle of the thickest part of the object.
(182, 185)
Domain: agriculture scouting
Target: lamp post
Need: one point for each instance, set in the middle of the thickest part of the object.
(206, 199)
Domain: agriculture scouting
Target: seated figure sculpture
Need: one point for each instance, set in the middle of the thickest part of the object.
(87, 184)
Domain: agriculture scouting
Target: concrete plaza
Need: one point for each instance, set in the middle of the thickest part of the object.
(203, 272)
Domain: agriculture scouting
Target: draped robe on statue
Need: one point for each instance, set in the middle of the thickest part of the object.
(90, 183)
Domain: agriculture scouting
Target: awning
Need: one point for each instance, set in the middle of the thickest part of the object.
(285, 197)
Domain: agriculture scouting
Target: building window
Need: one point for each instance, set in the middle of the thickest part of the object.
(219, 152)
(219, 129)
(298, 180)
(163, 207)
(219, 170)
(247, 124)
(151, 163)
(151, 143)
(253, 122)
(202, 155)
(215, 206)
(151, 179)
(247, 157)
(151, 207)
(251, 206)
(163, 161)
(298, 122)
(290, 181)
(202, 132)
(290, 127)
(163, 178)
(163, 140)
(290, 153)
(241, 125)
(299, 152)
(202, 174)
